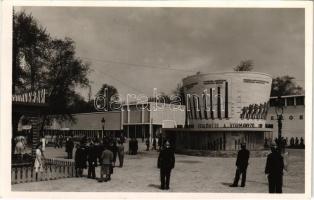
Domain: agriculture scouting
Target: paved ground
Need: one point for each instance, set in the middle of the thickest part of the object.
(191, 174)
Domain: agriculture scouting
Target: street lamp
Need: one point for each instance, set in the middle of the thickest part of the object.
(103, 122)
(279, 106)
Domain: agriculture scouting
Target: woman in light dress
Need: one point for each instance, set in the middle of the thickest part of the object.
(39, 160)
(20, 146)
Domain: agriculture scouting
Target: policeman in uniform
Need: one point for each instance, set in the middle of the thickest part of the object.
(274, 170)
(241, 163)
(166, 162)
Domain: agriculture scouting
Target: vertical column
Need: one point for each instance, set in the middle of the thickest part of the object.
(211, 103)
(226, 100)
(199, 108)
(218, 104)
(150, 130)
(194, 107)
(205, 106)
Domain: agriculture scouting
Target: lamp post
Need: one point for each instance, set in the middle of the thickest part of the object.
(103, 122)
(279, 106)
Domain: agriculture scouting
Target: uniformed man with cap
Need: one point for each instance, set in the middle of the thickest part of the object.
(165, 163)
(274, 170)
(241, 163)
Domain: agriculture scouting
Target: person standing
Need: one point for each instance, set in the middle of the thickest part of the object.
(120, 148)
(80, 160)
(92, 160)
(69, 145)
(39, 161)
(131, 146)
(106, 164)
(274, 170)
(154, 144)
(159, 142)
(166, 161)
(241, 163)
(135, 146)
(147, 144)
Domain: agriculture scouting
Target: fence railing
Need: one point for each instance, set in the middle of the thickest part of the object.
(52, 170)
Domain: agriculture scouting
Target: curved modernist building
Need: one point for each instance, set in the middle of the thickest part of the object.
(224, 110)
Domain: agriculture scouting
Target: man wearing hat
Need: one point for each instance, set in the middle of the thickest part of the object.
(241, 163)
(165, 163)
(274, 170)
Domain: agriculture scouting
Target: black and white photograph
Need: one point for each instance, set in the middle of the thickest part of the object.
(160, 99)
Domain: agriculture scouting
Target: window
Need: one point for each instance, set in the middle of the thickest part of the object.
(272, 118)
(290, 101)
(301, 117)
(300, 101)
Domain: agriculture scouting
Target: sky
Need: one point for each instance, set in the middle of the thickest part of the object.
(138, 49)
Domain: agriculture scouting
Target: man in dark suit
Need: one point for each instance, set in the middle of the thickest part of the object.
(92, 160)
(166, 162)
(69, 147)
(274, 170)
(241, 163)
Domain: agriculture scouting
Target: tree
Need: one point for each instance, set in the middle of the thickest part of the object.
(179, 92)
(285, 85)
(111, 95)
(41, 62)
(245, 65)
(30, 43)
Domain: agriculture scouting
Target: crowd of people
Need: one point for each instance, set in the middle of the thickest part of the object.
(91, 152)
(293, 142)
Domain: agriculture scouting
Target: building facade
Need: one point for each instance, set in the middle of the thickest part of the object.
(293, 123)
(147, 119)
(224, 110)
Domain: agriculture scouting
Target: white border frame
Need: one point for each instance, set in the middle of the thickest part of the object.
(6, 93)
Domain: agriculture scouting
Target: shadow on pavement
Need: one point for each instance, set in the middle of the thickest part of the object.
(154, 186)
(226, 184)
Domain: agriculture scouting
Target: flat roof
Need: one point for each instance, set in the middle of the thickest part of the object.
(218, 129)
(228, 72)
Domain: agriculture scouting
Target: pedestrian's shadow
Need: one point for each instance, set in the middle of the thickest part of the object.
(154, 186)
(226, 184)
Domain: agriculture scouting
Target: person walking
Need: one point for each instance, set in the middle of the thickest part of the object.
(120, 148)
(106, 164)
(69, 145)
(241, 163)
(166, 161)
(274, 170)
(92, 160)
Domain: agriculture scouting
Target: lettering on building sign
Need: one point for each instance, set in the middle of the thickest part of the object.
(255, 81)
(231, 125)
(242, 125)
(31, 97)
(213, 82)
